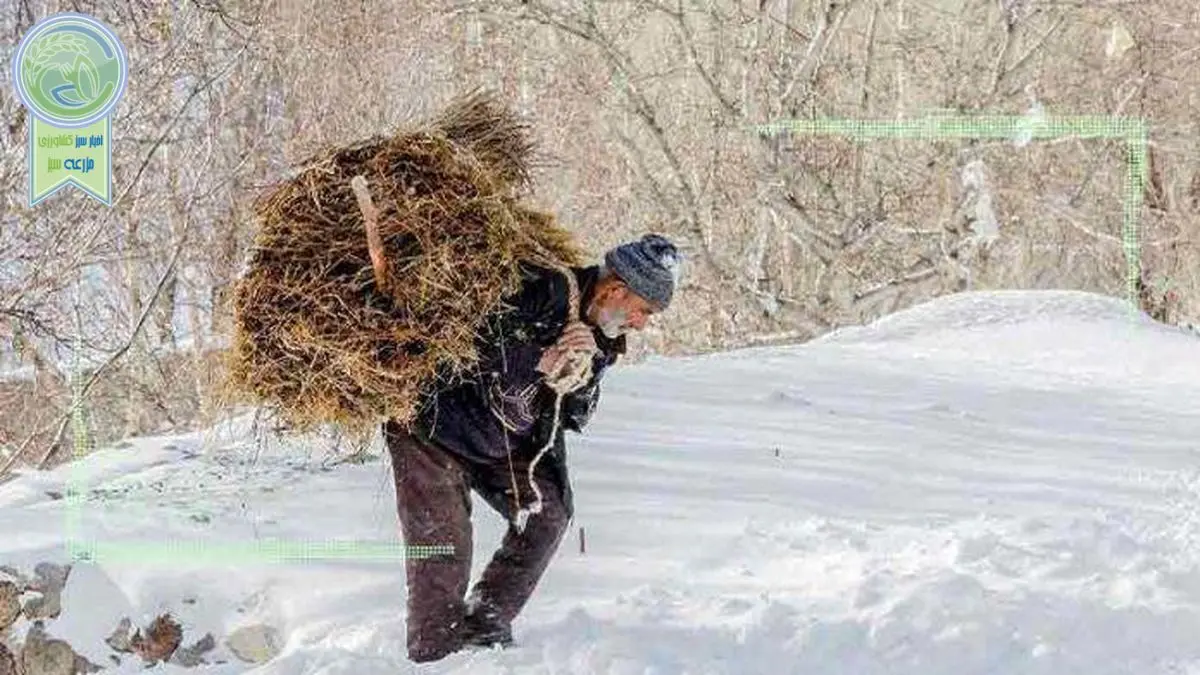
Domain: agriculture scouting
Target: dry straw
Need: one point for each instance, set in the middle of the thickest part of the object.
(326, 335)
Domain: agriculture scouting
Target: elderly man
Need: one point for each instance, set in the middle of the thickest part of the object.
(483, 434)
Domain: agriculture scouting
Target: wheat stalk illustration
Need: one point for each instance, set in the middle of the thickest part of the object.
(42, 52)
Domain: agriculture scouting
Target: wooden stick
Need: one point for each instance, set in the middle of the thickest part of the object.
(371, 221)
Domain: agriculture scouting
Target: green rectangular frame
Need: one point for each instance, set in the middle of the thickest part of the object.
(933, 127)
(258, 551)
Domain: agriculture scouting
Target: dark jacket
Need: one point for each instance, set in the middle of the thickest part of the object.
(466, 418)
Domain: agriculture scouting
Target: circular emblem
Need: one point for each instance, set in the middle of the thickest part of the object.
(70, 70)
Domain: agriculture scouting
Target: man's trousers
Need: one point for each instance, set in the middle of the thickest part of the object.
(433, 489)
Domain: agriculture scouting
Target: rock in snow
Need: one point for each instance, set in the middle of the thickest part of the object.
(193, 655)
(121, 640)
(42, 655)
(51, 579)
(8, 664)
(257, 643)
(161, 640)
(10, 604)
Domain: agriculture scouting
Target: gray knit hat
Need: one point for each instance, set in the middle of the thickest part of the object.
(649, 266)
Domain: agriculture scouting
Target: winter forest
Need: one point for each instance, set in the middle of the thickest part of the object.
(922, 403)
(645, 114)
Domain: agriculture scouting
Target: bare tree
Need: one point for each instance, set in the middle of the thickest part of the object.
(648, 115)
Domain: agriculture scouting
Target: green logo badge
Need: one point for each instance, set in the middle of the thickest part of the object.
(70, 71)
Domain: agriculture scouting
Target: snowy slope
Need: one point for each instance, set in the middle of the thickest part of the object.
(990, 483)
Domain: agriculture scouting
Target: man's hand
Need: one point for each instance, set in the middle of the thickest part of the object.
(576, 337)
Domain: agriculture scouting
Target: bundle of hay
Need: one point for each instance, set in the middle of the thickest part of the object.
(324, 332)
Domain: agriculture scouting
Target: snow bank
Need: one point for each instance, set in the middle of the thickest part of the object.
(995, 482)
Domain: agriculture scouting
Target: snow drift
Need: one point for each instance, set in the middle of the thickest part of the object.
(992, 482)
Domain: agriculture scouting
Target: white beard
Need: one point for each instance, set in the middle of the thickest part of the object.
(612, 324)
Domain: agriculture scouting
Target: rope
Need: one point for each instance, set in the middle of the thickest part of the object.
(574, 372)
(566, 385)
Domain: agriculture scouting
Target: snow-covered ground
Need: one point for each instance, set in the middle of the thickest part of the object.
(990, 483)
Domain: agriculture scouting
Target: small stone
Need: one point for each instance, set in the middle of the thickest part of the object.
(45, 656)
(192, 656)
(15, 576)
(257, 643)
(161, 640)
(52, 657)
(52, 577)
(120, 638)
(49, 582)
(8, 663)
(10, 604)
(44, 606)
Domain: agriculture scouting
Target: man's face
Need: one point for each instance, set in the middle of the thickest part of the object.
(616, 310)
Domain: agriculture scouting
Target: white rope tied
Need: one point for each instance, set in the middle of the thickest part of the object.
(573, 372)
